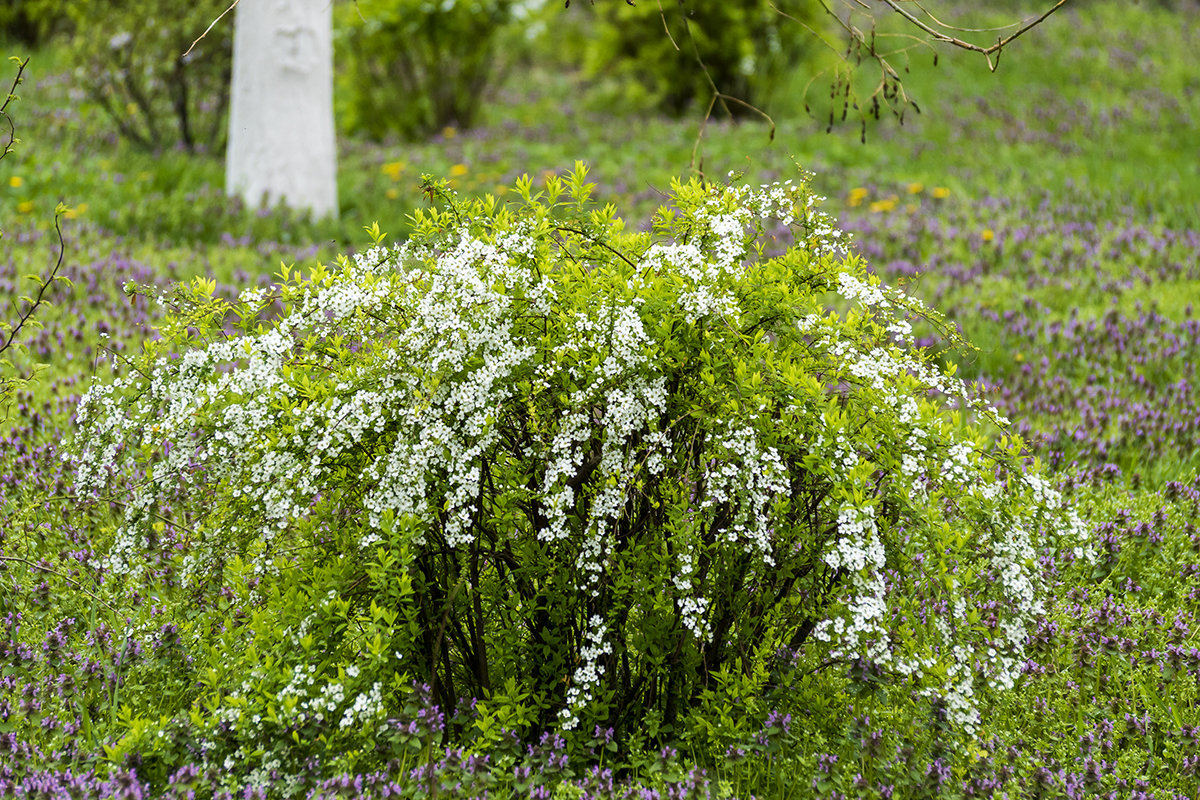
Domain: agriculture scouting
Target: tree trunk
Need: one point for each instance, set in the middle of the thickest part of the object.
(281, 142)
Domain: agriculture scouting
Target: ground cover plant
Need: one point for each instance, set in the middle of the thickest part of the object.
(1067, 259)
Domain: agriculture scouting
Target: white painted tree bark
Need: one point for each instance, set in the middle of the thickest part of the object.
(281, 141)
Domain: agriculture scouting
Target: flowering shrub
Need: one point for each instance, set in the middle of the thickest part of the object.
(133, 67)
(412, 67)
(569, 474)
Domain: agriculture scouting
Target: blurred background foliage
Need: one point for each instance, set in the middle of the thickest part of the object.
(412, 67)
(135, 131)
(648, 54)
(135, 61)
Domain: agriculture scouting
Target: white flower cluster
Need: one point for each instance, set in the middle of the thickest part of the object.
(587, 674)
(749, 477)
(367, 706)
(704, 296)
(852, 287)
(859, 551)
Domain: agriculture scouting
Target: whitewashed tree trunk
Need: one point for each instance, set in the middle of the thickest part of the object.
(281, 140)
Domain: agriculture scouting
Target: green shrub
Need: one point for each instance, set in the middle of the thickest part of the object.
(30, 21)
(413, 67)
(579, 475)
(746, 46)
(133, 66)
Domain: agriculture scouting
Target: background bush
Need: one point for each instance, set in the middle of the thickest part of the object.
(413, 67)
(746, 46)
(129, 57)
(30, 22)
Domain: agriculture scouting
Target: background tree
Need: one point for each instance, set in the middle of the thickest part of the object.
(281, 140)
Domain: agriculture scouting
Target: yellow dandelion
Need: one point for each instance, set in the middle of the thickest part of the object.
(887, 204)
(916, 187)
(394, 169)
(16, 181)
(458, 170)
(449, 132)
(392, 194)
(941, 193)
(501, 190)
(24, 207)
(81, 208)
(857, 195)
(988, 234)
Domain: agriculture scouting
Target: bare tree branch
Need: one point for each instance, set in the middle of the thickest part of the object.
(211, 25)
(965, 45)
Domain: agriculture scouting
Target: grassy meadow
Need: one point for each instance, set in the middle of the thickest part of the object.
(1050, 209)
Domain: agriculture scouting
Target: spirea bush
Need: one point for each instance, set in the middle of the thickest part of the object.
(578, 475)
(129, 57)
(413, 67)
(747, 47)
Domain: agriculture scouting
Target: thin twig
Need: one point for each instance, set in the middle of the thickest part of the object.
(12, 95)
(212, 25)
(593, 240)
(986, 51)
(27, 314)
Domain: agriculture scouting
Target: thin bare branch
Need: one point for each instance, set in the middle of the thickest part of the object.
(12, 95)
(965, 45)
(212, 25)
(27, 314)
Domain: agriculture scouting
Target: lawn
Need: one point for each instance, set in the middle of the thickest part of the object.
(1050, 210)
